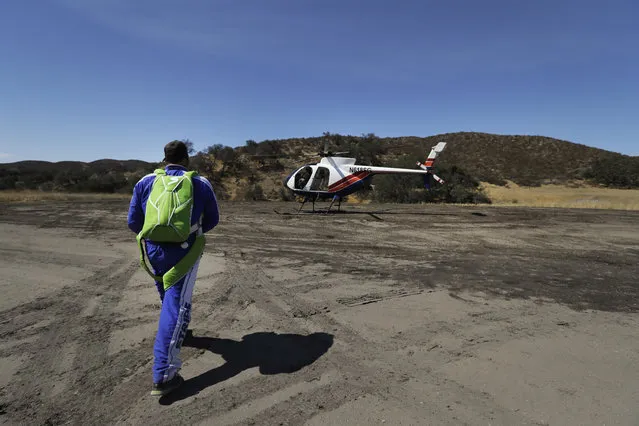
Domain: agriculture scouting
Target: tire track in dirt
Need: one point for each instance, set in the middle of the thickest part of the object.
(264, 410)
(387, 377)
(109, 385)
(23, 318)
(261, 293)
(361, 375)
(117, 386)
(66, 395)
(228, 304)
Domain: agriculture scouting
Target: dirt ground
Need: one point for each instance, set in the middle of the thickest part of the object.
(383, 314)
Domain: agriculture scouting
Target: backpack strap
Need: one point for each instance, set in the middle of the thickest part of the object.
(143, 261)
(197, 227)
(183, 266)
(140, 239)
(177, 272)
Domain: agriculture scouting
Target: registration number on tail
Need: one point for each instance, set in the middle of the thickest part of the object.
(359, 169)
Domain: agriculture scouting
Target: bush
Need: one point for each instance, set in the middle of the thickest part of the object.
(254, 193)
(459, 186)
(286, 195)
(617, 171)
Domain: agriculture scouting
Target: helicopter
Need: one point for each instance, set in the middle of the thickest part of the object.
(336, 177)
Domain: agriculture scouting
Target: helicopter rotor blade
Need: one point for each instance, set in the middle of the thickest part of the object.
(428, 180)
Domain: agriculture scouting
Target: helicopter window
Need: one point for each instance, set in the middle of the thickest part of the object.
(320, 181)
(302, 177)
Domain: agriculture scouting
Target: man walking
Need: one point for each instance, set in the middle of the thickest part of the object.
(173, 245)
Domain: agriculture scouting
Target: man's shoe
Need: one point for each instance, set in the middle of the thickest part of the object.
(161, 389)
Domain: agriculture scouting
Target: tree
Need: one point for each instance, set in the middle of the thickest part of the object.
(459, 186)
(615, 171)
(214, 149)
(190, 146)
(368, 149)
(251, 147)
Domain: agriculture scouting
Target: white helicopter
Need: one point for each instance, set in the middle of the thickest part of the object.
(336, 177)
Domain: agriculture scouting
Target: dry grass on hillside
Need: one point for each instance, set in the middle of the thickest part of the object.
(32, 196)
(563, 196)
(512, 195)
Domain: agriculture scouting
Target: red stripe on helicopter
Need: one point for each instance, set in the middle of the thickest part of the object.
(345, 185)
(429, 163)
(348, 180)
(344, 179)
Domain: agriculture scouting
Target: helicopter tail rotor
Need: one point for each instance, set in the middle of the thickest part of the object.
(437, 178)
(429, 178)
(429, 164)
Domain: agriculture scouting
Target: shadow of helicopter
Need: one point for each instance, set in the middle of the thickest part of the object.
(375, 214)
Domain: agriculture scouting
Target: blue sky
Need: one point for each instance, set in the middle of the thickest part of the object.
(90, 79)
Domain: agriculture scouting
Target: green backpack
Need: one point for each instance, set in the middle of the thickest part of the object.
(168, 220)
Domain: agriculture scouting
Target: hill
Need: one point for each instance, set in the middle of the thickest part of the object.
(73, 176)
(525, 160)
(535, 160)
(256, 170)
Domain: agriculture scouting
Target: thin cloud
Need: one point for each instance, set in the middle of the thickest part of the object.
(206, 27)
(287, 33)
(5, 155)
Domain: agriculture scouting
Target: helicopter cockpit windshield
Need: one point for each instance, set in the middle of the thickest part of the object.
(302, 177)
(320, 180)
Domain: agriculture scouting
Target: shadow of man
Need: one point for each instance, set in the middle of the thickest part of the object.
(272, 353)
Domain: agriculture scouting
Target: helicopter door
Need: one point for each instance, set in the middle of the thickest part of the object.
(320, 180)
(302, 177)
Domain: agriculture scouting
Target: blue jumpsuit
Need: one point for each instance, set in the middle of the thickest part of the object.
(176, 301)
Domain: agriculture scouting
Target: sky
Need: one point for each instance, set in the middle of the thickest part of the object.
(91, 79)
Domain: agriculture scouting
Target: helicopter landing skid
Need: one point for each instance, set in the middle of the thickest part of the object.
(339, 203)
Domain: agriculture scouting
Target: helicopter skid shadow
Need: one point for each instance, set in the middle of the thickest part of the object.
(375, 213)
(272, 353)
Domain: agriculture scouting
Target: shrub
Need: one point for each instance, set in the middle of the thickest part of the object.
(459, 186)
(617, 171)
(254, 193)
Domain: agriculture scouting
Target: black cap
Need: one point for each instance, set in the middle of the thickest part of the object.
(175, 151)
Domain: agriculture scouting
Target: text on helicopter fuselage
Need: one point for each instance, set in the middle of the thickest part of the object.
(359, 169)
